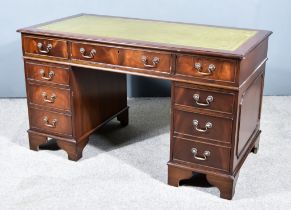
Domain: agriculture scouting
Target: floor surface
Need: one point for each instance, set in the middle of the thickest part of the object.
(125, 168)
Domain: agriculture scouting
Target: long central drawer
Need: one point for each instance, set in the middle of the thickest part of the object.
(128, 57)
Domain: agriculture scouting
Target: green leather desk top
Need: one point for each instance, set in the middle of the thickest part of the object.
(189, 35)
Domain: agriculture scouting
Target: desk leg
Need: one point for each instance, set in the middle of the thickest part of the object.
(175, 175)
(256, 146)
(36, 140)
(73, 149)
(123, 118)
(225, 183)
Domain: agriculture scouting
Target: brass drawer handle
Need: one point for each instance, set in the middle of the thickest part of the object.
(47, 50)
(154, 64)
(205, 154)
(50, 125)
(51, 74)
(209, 99)
(207, 126)
(45, 97)
(91, 54)
(210, 69)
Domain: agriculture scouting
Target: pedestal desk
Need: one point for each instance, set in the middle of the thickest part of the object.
(76, 68)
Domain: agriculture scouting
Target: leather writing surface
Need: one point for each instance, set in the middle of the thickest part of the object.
(190, 35)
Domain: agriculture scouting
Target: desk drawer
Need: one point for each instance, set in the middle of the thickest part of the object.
(206, 68)
(53, 74)
(45, 47)
(203, 154)
(204, 99)
(94, 53)
(149, 60)
(49, 96)
(50, 122)
(202, 126)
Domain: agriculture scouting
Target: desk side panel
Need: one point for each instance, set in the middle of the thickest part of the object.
(96, 97)
(248, 126)
(252, 61)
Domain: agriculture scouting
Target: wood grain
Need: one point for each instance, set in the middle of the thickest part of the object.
(39, 94)
(221, 129)
(59, 47)
(104, 54)
(91, 91)
(219, 156)
(60, 72)
(225, 70)
(63, 125)
(223, 102)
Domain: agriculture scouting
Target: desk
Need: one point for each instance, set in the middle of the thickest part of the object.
(76, 68)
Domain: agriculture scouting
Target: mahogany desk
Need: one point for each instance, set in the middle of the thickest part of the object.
(76, 70)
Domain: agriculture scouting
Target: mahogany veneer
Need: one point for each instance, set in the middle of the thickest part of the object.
(76, 82)
(54, 74)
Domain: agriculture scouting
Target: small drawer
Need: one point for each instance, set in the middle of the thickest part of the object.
(206, 68)
(201, 126)
(200, 153)
(149, 60)
(45, 47)
(47, 73)
(48, 96)
(50, 122)
(94, 53)
(204, 99)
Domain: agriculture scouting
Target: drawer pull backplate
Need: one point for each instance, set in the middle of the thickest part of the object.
(154, 64)
(205, 154)
(209, 99)
(45, 97)
(48, 124)
(91, 54)
(198, 67)
(208, 125)
(47, 50)
(51, 74)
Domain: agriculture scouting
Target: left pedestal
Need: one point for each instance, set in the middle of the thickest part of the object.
(69, 103)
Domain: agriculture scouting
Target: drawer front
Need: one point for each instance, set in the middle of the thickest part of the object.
(204, 99)
(94, 53)
(50, 122)
(46, 73)
(202, 154)
(49, 96)
(202, 126)
(149, 60)
(45, 47)
(206, 68)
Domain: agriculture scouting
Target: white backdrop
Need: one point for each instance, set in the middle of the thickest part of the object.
(271, 15)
